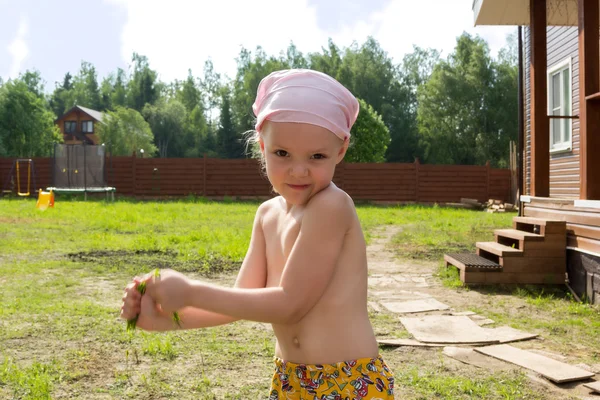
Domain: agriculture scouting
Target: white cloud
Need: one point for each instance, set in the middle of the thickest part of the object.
(427, 23)
(18, 48)
(182, 34)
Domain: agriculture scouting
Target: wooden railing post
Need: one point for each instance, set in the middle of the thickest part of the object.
(487, 180)
(342, 174)
(133, 173)
(204, 176)
(417, 172)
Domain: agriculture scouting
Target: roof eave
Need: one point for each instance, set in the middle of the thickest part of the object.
(516, 12)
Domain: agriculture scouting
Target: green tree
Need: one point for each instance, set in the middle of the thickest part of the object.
(503, 108)
(369, 136)
(86, 91)
(229, 142)
(251, 70)
(26, 127)
(211, 90)
(125, 132)
(167, 120)
(106, 89)
(329, 62)
(456, 107)
(369, 73)
(415, 70)
(197, 142)
(294, 58)
(188, 93)
(61, 97)
(119, 92)
(143, 88)
(34, 82)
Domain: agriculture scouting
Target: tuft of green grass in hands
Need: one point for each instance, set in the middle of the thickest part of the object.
(131, 324)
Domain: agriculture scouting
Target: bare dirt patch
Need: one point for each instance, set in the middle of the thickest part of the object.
(146, 260)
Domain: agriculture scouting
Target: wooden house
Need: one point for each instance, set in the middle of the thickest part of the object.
(557, 232)
(78, 125)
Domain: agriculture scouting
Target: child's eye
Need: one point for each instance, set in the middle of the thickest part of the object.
(281, 153)
(319, 156)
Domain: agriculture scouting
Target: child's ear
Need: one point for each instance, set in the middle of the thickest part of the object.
(343, 151)
(261, 143)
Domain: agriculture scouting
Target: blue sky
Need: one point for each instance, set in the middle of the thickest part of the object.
(55, 36)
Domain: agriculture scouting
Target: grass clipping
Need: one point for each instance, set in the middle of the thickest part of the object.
(131, 324)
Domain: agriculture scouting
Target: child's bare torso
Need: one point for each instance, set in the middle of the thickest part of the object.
(337, 328)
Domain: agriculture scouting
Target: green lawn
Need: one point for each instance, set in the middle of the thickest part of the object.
(61, 277)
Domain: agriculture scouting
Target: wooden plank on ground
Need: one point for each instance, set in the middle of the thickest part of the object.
(595, 386)
(415, 306)
(556, 371)
(506, 334)
(447, 329)
(407, 342)
(469, 356)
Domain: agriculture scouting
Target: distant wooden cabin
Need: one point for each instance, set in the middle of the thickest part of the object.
(559, 145)
(79, 124)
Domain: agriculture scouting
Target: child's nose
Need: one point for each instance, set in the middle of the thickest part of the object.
(299, 170)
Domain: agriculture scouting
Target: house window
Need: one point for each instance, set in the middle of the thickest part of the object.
(87, 126)
(560, 101)
(70, 126)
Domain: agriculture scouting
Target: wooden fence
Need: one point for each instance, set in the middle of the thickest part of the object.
(389, 182)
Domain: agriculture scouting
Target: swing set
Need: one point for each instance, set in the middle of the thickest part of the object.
(14, 176)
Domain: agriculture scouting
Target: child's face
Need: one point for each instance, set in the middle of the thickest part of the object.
(300, 158)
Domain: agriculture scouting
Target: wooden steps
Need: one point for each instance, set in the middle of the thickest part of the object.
(498, 249)
(519, 235)
(539, 225)
(533, 252)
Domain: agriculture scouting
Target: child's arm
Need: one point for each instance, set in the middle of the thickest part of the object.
(306, 275)
(252, 274)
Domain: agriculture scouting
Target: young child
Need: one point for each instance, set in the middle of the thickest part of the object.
(306, 267)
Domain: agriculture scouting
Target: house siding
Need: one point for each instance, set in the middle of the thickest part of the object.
(561, 42)
(78, 117)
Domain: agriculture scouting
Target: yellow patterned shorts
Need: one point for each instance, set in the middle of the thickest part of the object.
(365, 378)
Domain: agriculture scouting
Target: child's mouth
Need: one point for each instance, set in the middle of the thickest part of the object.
(298, 187)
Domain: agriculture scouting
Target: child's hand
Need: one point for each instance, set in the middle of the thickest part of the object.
(132, 300)
(170, 289)
(143, 309)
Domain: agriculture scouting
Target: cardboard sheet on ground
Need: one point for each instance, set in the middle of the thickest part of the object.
(470, 356)
(463, 313)
(506, 334)
(399, 295)
(556, 371)
(447, 329)
(374, 306)
(407, 342)
(414, 306)
(460, 330)
(595, 386)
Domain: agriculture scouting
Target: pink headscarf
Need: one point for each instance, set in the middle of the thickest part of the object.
(303, 95)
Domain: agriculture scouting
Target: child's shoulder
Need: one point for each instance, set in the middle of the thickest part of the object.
(268, 205)
(331, 204)
(331, 197)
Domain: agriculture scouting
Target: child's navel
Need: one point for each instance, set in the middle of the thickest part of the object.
(296, 342)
